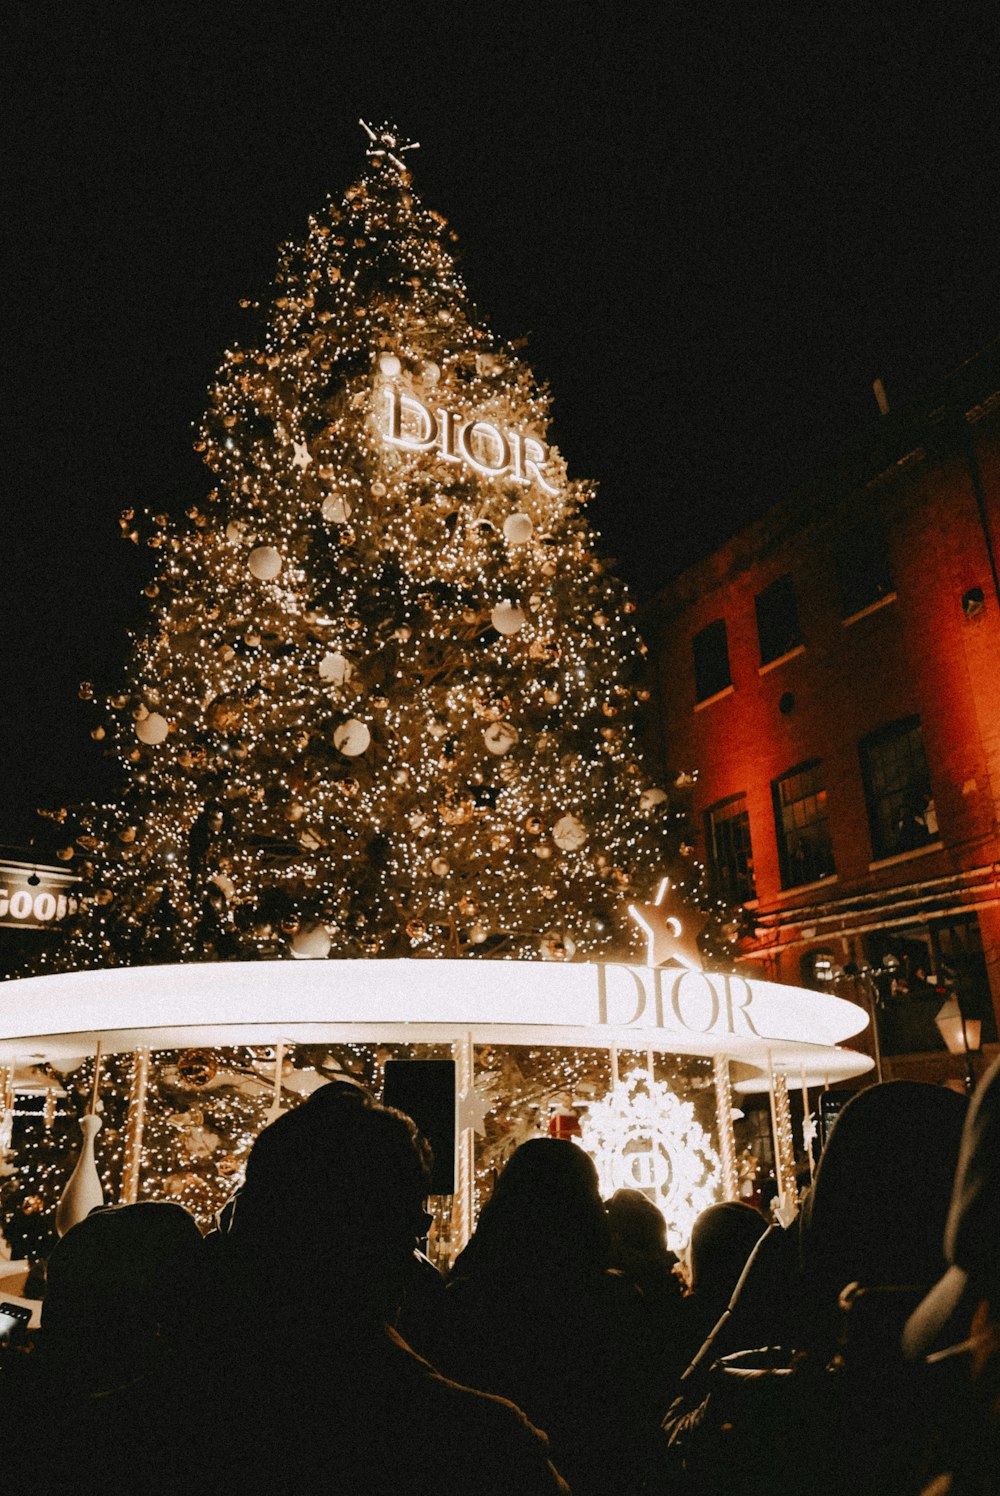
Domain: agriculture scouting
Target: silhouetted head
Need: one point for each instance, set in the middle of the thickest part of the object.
(545, 1213)
(877, 1210)
(722, 1238)
(117, 1280)
(335, 1192)
(636, 1224)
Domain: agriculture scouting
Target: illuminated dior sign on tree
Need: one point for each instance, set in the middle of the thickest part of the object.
(481, 445)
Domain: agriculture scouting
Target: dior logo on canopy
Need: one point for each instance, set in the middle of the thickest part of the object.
(485, 448)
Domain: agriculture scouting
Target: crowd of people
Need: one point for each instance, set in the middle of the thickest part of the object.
(306, 1344)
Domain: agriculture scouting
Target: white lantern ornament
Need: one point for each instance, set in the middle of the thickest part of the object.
(351, 738)
(507, 618)
(264, 563)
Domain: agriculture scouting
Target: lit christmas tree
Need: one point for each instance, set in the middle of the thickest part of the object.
(386, 701)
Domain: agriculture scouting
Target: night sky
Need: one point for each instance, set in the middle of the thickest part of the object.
(717, 225)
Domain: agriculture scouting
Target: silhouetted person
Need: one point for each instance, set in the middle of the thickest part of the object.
(535, 1314)
(299, 1383)
(837, 1410)
(120, 1287)
(722, 1239)
(640, 1253)
(957, 1326)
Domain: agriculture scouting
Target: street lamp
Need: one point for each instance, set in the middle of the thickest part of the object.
(961, 1035)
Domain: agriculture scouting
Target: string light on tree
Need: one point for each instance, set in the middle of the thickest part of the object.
(382, 644)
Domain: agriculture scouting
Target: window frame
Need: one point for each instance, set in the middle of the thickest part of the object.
(726, 884)
(856, 599)
(770, 597)
(883, 843)
(703, 663)
(810, 874)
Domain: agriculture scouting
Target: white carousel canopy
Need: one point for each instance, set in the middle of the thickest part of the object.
(669, 1009)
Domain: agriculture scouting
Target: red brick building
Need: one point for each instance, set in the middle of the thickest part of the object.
(832, 675)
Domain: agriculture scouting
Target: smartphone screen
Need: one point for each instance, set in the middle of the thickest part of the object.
(14, 1319)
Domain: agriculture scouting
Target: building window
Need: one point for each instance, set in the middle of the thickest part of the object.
(901, 810)
(915, 969)
(777, 620)
(863, 573)
(800, 820)
(711, 660)
(727, 836)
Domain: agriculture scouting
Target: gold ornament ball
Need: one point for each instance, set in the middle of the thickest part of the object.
(197, 1067)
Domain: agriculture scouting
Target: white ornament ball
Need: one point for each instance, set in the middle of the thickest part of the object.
(507, 618)
(500, 737)
(390, 365)
(335, 668)
(264, 563)
(152, 728)
(478, 934)
(351, 738)
(336, 509)
(518, 529)
(440, 867)
(650, 799)
(235, 530)
(569, 834)
(312, 943)
(431, 374)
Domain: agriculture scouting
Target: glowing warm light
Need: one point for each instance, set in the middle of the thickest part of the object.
(642, 1136)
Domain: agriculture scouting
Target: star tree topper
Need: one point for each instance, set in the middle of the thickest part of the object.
(671, 927)
(385, 143)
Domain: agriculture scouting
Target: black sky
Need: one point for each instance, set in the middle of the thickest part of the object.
(717, 224)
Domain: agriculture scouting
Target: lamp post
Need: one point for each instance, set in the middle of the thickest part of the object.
(961, 1035)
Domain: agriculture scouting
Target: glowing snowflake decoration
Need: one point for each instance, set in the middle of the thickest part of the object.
(642, 1136)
